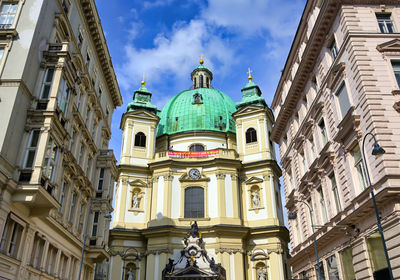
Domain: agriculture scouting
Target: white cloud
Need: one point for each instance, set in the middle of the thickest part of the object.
(252, 16)
(157, 3)
(175, 54)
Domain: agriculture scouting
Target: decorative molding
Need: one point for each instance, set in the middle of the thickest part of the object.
(335, 75)
(253, 180)
(390, 46)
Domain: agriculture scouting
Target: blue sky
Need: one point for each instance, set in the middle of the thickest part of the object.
(164, 39)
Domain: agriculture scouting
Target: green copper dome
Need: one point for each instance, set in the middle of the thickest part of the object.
(204, 109)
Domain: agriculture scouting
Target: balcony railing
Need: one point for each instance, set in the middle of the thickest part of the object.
(200, 155)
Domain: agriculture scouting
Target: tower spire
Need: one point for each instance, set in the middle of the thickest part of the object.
(201, 59)
(143, 81)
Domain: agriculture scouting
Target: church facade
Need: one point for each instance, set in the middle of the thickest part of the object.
(202, 160)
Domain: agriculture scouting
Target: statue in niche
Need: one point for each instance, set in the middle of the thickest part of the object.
(131, 274)
(261, 274)
(136, 200)
(255, 199)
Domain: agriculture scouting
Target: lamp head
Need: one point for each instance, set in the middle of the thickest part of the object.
(377, 150)
(292, 216)
(108, 215)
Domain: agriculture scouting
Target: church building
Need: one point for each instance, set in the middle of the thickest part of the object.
(198, 193)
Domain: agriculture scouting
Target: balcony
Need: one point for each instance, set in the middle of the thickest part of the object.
(97, 254)
(37, 197)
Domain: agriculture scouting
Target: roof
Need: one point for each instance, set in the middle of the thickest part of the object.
(205, 109)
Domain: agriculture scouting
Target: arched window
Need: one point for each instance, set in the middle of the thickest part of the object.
(140, 139)
(194, 82)
(196, 148)
(194, 202)
(201, 81)
(251, 135)
(207, 82)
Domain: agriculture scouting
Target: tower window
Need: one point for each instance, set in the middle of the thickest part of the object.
(207, 82)
(194, 82)
(251, 135)
(194, 202)
(196, 148)
(201, 81)
(140, 139)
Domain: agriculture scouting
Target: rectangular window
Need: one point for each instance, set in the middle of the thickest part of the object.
(63, 195)
(359, 166)
(101, 180)
(313, 151)
(396, 70)
(311, 212)
(51, 257)
(72, 208)
(95, 223)
(194, 202)
(322, 130)
(385, 22)
(81, 152)
(343, 98)
(335, 192)
(11, 239)
(377, 254)
(333, 272)
(89, 167)
(1, 53)
(72, 141)
(321, 271)
(347, 264)
(80, 217)
(303, 162)
(47, 81)
(333, 50)
(322, 205)
(37, 251)
(88, 60)
(7, 14)
(80, 39)
(63, 95)
(50, 160)
(31, 148)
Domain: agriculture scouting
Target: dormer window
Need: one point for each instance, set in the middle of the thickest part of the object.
(197, 99)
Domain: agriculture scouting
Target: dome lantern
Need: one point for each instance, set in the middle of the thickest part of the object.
(201, 75)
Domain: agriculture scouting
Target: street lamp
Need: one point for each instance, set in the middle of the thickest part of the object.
(292, 216)
(377, 150)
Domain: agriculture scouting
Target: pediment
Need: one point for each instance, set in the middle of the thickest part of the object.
(335, 74)
(138, 183)
(254, 180)
(390, 46)
(143, 114)
(191, 270)
(248, 110)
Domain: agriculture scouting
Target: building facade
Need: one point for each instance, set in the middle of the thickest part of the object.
(58, 91)
(341, 81)
(202, 161)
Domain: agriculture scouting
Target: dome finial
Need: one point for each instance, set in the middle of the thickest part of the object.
(250, 77)
(201, 59)
(143, 81)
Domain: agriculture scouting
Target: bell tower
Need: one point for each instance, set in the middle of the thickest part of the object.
(139, 126)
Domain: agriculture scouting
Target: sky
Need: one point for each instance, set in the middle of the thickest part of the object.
(164, 39)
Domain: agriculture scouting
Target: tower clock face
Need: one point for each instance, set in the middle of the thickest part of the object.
(194, 173)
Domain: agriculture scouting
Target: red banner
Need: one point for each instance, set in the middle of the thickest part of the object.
(192, 154)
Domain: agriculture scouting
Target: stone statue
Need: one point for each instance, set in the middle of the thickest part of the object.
(194, 230)
(261, 274)
(255, 198)
(131, 274)
(135, 200)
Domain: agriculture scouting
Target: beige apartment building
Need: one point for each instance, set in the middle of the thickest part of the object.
(58, 91)
(341, 81)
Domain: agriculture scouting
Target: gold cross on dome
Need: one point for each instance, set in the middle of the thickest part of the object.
(201, 58)
(143, 81)
(250, 77)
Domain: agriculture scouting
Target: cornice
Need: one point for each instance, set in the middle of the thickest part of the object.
(95, 30)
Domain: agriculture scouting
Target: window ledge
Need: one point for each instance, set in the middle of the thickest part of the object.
(194, 219)
(8, 32)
